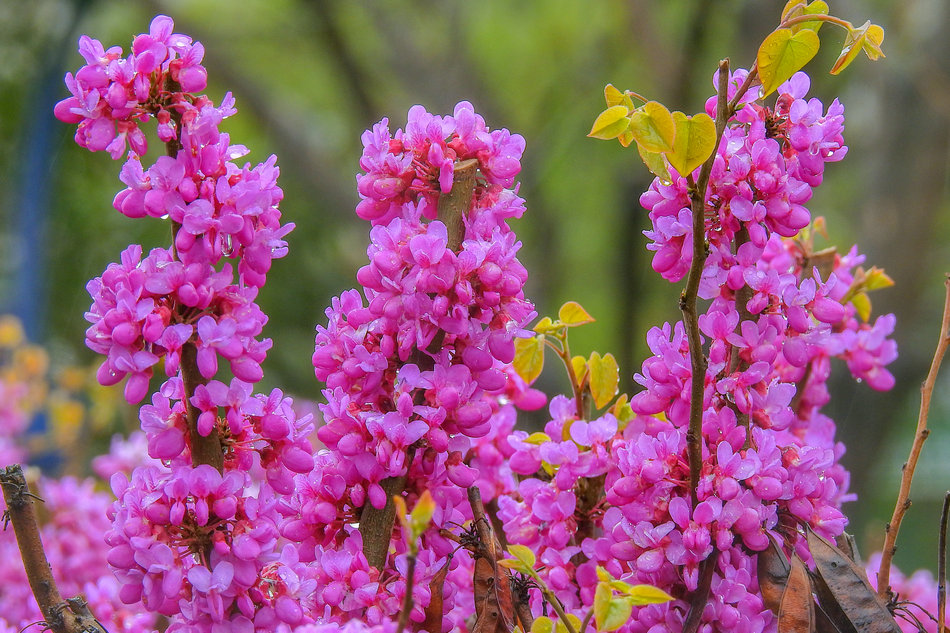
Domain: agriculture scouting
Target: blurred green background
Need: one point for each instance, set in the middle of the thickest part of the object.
(310, 76)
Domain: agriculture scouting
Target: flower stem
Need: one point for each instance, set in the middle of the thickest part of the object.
(907, 476)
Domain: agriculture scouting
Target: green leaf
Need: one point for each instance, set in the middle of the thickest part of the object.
(572, 314)
(782, 54)
(648, 594)
(610, 612)
(867, 37)
(652, 127)
(611, 123)
(656, 163)
(604, 378)
(695, 140)
(529, 357)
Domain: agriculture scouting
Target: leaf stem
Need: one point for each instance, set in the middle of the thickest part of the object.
(907, 476)
(817, 17)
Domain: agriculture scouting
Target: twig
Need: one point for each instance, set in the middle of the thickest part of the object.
(586, 621)
(697, 195)
(700, 597)
(59, 614)
(942, 567)
(907, 476)
(407, 599)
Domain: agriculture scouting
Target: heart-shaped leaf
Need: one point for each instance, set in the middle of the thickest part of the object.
(656, 163)
(529, 357)
(611, 123)
(695, 140)
(610, 611)
(604, 378)
(867, 37)
(782, 54)
(572, 314)
(652, 127)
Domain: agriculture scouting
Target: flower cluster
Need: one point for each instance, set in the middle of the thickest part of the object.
(417, 367)
(194, 536)
(145, 309)
(776, 316)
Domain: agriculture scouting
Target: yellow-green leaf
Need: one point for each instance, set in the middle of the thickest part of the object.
(604, 378)
(529, 357)
(575, 621)
(648, 594)
(610, 123)
(867, 37)
(572, 314)
(524, 555)
(421, 515)
(537, 438)
(610, 612)
(612, 96)
(401, 511)
(579, 365)
(695, 140)
(544, 326)
(862, 303)
(797, 8)
(542, 624)
(876, 279)
(626, 138)
(782, 54)
(652, 127)
(603, 575)
(656, 163)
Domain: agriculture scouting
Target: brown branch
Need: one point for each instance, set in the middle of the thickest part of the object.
(376, 524)
(907, 476)
(697, 195)
(62, 616)
(942, 567)
(700, 597)
(205, 449)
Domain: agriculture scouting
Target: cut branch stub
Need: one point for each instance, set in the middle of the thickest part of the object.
(62, 616)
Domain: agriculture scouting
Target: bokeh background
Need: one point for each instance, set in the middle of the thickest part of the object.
(310, 76)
